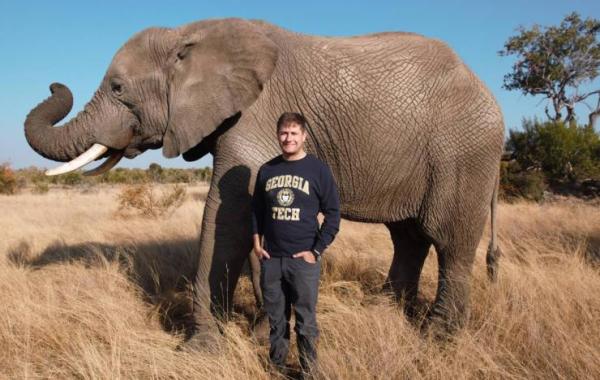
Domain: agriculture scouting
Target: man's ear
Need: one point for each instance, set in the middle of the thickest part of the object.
(218, 70)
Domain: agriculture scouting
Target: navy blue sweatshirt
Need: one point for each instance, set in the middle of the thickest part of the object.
(288, 195)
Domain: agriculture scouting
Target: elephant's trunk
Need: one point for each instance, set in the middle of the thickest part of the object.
(65, 142)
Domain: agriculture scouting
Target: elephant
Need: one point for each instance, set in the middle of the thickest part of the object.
(413, 138)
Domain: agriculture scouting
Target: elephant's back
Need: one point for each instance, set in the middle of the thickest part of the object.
(388, 47)
(382, 115)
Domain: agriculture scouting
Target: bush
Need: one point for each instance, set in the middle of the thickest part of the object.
(155, 172)
(177, 176)
(204, 174)
(565, 153)
(31, 176)
(118, 175)
(40, 187)
(143, 200)
(516, 183)
(8, 180)
(71, 179)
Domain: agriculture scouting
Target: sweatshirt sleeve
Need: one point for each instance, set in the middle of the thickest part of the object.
(329, 203)
(258, 206)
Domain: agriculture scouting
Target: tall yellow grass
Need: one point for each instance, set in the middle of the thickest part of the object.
(86, 293)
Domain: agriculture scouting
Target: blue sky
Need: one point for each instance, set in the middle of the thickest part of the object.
(73, 42)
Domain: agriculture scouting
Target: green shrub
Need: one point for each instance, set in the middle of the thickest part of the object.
(517, 183)
(565, 153)
(177, 176)
(118, 175)
(40, 187)
(155, 173)
(31, 176)
(203, 174)
(8, 180)
(71, 179)
(136, 176)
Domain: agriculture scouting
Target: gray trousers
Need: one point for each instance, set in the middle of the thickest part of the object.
(286, 281)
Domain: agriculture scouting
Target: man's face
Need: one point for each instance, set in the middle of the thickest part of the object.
(291, 138)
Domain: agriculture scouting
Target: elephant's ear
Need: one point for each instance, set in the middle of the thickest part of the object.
(217, 71)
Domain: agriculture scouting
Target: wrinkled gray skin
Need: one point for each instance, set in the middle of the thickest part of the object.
(413, 139)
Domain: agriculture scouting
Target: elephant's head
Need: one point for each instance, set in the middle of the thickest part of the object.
(164, 87)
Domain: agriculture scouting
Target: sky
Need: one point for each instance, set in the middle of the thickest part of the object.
(73, 42)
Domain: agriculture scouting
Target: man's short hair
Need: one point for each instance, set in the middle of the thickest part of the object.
(287, 118)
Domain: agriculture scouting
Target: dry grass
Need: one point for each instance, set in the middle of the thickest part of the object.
(87, 295)
(143, 200)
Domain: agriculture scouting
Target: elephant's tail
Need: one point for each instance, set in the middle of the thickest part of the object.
(493, 251)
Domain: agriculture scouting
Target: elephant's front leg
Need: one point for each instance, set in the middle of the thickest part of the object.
(225, 242)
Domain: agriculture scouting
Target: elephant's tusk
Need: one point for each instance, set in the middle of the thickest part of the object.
(86, 157)
(106, 165)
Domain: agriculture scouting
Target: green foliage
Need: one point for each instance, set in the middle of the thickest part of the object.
(565, 153)
(40, 183)
(552, 60)
(516, 183)
(32, 175)
(40, 187)
(176, 176)
(123, 175)
(204, 174)
(155, 172)
(8, 180)
(70, 179)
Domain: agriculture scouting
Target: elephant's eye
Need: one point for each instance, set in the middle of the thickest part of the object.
(116, 88)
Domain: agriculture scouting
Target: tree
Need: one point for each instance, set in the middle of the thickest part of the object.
(554, 62)
(155, 172)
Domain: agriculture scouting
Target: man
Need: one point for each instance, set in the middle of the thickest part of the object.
(290, 191)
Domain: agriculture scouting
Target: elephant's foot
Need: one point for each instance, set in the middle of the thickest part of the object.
(406, 297)
(203, 337)
(208, 342)
(450, 311)
(261, 328)
(416, 310)
(444, 320)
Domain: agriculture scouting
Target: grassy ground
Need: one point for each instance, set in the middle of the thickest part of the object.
(87, 292)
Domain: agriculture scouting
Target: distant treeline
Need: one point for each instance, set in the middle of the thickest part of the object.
(550, 157)
(11, 181)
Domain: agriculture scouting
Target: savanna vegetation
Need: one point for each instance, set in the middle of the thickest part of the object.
(13, 181)
(90, 291)
(559, 65)
(96, 271)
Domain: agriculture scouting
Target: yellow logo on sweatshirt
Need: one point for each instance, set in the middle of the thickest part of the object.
(293, 181)
(285, 197)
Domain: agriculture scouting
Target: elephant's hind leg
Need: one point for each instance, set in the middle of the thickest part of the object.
(410, 251)
(450, 310)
